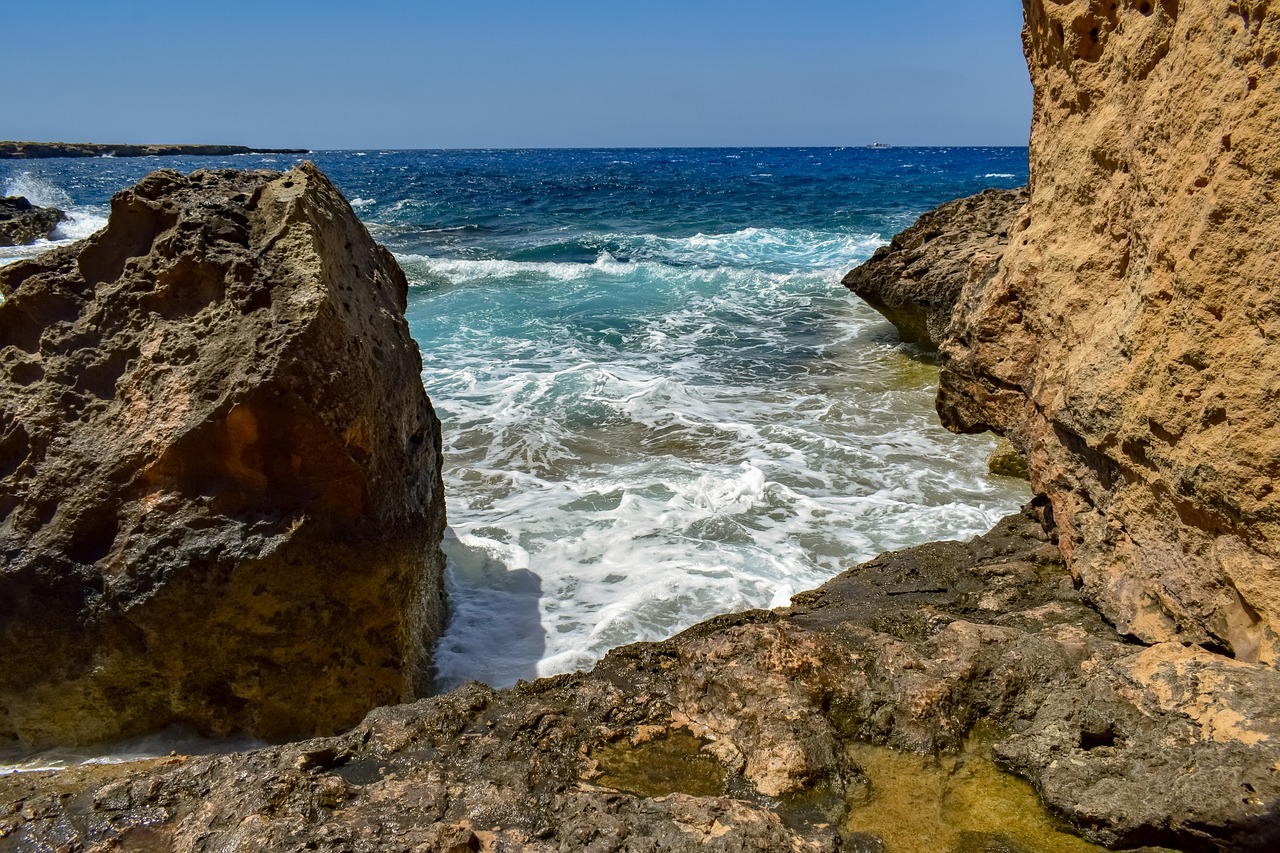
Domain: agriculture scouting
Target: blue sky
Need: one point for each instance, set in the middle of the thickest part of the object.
(501, 73)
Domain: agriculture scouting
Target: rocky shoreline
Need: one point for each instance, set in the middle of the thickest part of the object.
(744, 732)
(23, 223)
(1113, 644)
(916, 280)
(10, 150)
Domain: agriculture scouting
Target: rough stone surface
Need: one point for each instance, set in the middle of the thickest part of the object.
(1135, 745)
(22, 223)
(1130, 343)
(220, 495)
(1006, 461)
(916, 279)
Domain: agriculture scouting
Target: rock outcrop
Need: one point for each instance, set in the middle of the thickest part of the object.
(1130, 342)
(39, 150)
(738, 735)
(22, 223)
(916, 279)
(220, 492)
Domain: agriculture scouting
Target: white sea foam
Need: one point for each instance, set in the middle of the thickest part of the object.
(634, 447)
(37, 190)
(363, 202)
(750, 249)
(81, 221)
(999, 175)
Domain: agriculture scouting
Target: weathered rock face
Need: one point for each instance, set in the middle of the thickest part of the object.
(220, 493)
(737, 735)
(1130, 342)
(22, 223)
(916, 279)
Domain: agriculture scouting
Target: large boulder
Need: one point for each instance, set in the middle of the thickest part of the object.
(916, 279)
(22, 222)
(1130, 341)
(220, 492)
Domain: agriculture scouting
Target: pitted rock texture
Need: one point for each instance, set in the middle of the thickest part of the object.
(1130, 342)
(1136, 746)
(22, 222)
(220, 493)
(916, 279)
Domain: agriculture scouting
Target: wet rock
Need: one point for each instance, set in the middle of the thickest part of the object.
(22, 223)
(916, 279)
(220, 494)
(1128, 342)
(1134, 745)
(1006, 461)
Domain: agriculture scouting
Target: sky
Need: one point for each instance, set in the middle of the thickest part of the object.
(516, 73)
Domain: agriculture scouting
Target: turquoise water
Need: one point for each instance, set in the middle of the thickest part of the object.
(658, 402)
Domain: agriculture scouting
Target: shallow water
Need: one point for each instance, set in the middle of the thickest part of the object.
(923, 804)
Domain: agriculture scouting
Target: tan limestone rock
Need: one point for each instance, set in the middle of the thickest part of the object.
(1130, 342)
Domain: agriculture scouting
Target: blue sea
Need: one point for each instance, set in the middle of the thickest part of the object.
(658, 402)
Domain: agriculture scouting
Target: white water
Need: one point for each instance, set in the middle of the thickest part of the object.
(81, 221)
(635, 447)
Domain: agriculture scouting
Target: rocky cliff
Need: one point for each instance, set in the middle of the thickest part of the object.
(21, 222)
(220, 493)
(916, 280)
(1130, 342)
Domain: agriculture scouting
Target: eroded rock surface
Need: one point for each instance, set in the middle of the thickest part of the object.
(220, 494)
(1130, 343)
(916, 279)
(737, 735)
(22, 222)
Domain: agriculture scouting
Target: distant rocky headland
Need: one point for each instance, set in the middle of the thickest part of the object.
(39, 150)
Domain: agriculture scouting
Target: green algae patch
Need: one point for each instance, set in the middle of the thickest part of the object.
(923, 804)
(668, 764)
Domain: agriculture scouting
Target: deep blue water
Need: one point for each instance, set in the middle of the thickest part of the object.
(658, 402)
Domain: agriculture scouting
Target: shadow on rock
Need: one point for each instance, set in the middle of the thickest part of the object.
(495, 632)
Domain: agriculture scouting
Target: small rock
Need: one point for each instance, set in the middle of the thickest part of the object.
(22, 223)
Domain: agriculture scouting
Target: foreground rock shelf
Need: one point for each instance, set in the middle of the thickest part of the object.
(742, 734)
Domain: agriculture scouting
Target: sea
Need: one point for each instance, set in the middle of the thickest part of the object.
(658, 402)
